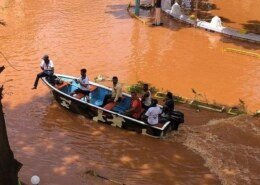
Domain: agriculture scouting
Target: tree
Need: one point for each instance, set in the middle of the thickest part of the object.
(9, 166)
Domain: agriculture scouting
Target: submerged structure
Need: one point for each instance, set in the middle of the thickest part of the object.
(215, 25)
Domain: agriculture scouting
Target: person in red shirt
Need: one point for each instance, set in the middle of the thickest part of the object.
(135, 108)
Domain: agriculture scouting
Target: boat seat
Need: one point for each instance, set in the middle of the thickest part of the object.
(123, 105)
(79, 96)
(82, 96)
(92, 88)
(98, 102)
(110, 106)
(60, 86)
(159, 125)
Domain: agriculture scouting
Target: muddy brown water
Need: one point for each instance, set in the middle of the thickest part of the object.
(99, 35)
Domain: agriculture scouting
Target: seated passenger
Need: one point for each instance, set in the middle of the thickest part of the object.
(135, 107)
(153, 112)
(47, 68)
(116, 95)
(168, 106)
(84, 84)
(146, 97)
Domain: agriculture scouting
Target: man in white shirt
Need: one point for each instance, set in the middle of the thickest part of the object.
(84, 84)
(47, 68)
(153, 113)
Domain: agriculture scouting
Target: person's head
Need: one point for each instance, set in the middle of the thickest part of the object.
(169, 95)
(134, 95)
(115, 80)
(145, 87)
(46, 58)
(83, 72)
(154, 102)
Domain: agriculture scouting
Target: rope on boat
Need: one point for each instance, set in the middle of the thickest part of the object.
(242, 52)
(9, 62)
(95, 174)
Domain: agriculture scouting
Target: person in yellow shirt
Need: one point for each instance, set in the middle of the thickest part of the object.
(116, 94)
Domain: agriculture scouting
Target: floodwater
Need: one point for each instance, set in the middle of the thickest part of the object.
(240, 15)
(99, 35)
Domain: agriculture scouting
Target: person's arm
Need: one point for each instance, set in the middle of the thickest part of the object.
(160, 111)
(148, 113)
(83, 83)
(145, 116)
(42, 64)
(146, 95)
(133, 108)
(51, 65)
(118, 92)
(77, 80)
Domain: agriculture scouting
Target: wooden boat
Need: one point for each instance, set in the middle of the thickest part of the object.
(92, 109)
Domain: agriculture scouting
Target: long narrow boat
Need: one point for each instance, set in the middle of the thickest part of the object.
(92, 109)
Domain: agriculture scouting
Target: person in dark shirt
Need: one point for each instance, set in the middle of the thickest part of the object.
(168, 106)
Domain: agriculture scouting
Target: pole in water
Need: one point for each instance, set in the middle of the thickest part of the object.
(137, 7)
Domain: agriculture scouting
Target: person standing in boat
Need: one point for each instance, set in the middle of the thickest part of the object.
(47, 68)
(135, 110)
(146, 97)
(83, 80)
(116, 95)
(152, 114)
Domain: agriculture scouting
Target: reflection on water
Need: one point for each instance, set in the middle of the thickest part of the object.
(66, 145)
(241, 15)
(100, 36)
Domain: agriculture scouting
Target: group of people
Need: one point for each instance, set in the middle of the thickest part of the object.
(47, 68)
(144, 108)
